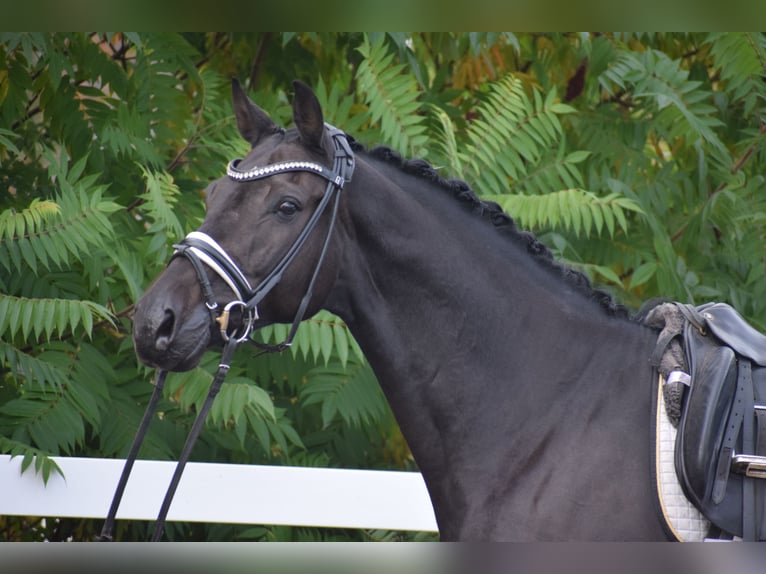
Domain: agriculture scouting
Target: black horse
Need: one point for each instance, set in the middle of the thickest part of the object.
(523, 392)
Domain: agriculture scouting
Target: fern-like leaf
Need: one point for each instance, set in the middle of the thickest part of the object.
(240, 405)
(392, 98)
(338, 108)
(160, 198)
(741, 59)
(684, 109)
(48, 317)
(43, 464)
(447, 143)
(29, 221)
(319, 336)
(238, 394)
(556, 171)
(580, 211)
(19, 232)
(351, 392)
(55, 419)
(30, 368)
(513, 134)
(48, 232)
(6, 141)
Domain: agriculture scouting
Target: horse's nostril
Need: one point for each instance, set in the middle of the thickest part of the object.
(165, 331)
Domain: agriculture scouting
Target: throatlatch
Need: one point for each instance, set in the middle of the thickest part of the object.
(202, 251)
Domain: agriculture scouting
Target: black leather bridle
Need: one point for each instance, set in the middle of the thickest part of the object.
(204, 253)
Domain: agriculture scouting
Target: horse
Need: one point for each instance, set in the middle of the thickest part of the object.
(522, 390)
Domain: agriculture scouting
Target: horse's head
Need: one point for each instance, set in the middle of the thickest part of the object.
(264, 241)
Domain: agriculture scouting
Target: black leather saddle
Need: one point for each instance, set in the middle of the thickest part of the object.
(720, 454)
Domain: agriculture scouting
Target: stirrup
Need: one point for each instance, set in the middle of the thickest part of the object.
(750, 465)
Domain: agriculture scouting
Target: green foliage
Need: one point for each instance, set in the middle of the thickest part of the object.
(681, 108)
(33, 318)
(510, 142)
(740, 58)
(349, 391)
(322, 336)
(575, 210)
(159, 200)
(392, 98)
(32, 457)
(638, 158)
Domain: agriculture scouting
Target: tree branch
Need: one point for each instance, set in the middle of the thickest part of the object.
(255, 70)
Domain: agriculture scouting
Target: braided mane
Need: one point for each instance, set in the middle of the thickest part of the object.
(494, 213)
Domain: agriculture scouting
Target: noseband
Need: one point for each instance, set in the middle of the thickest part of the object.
(203, 252)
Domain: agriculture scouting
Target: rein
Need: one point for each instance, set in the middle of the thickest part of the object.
(203, 251)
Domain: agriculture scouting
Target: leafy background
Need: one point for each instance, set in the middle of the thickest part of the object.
(637, 158)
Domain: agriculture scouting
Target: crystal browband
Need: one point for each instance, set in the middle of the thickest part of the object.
(260, 172)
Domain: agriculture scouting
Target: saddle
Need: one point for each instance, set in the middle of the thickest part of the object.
(720, 449)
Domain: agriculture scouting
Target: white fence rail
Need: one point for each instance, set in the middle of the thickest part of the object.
(229, 493)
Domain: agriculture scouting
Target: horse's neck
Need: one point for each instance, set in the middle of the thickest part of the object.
(409, 285)
(427, 286)
(469, 336)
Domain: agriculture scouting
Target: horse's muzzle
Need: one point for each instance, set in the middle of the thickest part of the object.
(168, 333)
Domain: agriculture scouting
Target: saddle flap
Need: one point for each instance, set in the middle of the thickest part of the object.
(732, 329)
(702, 425)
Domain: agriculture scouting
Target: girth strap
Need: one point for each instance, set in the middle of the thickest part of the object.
(733, 425)
(748, 445)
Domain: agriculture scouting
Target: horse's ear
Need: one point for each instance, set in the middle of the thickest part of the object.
(252, 121)
(307, 115)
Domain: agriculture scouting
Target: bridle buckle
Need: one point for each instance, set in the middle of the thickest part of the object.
(249, 314)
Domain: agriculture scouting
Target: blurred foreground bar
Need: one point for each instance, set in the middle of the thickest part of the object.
(222, 493)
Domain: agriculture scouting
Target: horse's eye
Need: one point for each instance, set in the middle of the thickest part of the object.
(288, 208)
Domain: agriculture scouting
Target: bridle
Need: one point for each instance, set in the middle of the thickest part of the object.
(203, 252)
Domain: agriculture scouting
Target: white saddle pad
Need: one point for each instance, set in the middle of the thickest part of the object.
(683, 519)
